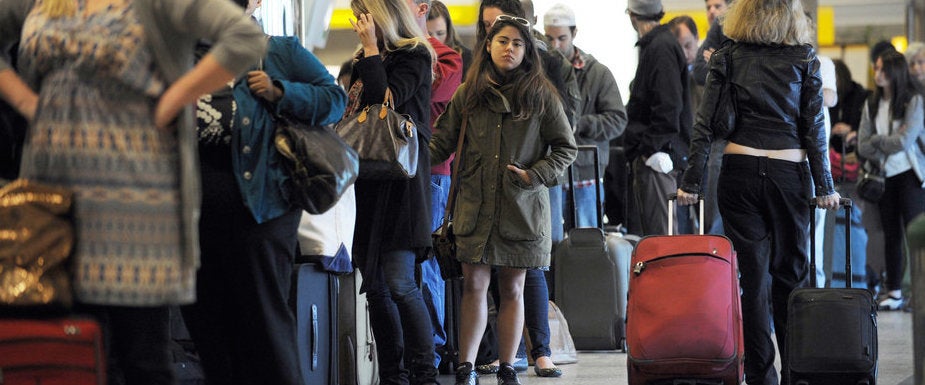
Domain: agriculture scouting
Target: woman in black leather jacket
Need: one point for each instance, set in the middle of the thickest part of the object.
(775, 158)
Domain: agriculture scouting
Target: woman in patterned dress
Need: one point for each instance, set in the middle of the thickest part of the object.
(105, 85)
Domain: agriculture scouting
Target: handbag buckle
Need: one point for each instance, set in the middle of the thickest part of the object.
(409, 129)
(363, 115)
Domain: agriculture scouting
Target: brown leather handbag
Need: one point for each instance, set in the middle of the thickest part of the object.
(36, 239)
(385, 140)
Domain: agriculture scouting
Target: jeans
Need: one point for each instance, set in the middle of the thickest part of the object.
(433, 288)
(555, 210)
(903, 200)
(858, 249)
(587, 202)
(536, 314)
(404, 335)
(820, 235)
(764, 209)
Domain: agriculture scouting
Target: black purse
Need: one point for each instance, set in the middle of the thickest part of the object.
(872, 177)
(443, 238)
(871, 183)
(320, 165)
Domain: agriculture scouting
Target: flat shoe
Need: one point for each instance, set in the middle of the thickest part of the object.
(891, 303)
(547, 372)
(465, 375)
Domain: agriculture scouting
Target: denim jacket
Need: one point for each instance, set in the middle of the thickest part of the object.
(309, 94)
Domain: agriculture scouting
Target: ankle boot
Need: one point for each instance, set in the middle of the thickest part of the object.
(465, 375)
(507, 375)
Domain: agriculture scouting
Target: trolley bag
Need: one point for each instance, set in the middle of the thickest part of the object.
(314, 303)
(684, 317)
(591, 269)
(54, 351)
(832, 333)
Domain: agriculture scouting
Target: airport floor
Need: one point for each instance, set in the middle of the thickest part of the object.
(606, 367)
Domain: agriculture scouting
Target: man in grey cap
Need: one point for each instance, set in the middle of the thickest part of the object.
(660, 115)
(601, 116)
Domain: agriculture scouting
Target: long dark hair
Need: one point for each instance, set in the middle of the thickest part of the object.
(904, 86)
(533, 93)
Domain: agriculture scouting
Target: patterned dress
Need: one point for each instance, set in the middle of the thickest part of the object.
(94, 132)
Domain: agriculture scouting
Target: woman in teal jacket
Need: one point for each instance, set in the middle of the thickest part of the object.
(242, 323)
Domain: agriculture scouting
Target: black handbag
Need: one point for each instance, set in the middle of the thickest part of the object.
(871, 183)
(385, 140)
(443, 238)
(320, 165)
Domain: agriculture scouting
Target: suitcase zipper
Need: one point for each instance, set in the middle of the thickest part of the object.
(640, 266)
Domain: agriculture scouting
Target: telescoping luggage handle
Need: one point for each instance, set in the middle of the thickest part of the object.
(846, 204)
(673, 197)
(597, 190)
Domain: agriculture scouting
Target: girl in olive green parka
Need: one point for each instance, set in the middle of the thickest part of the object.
(517, 141)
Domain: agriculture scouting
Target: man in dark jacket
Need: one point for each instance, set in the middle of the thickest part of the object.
(660, 117)
(601, 116)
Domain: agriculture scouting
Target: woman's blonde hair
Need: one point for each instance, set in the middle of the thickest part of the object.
(58, 8)
(395, 21)
(768, 22)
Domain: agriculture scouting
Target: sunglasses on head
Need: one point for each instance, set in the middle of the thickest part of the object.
(515, 19)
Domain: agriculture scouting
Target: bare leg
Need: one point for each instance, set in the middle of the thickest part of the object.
(511, 312)
(474, 311)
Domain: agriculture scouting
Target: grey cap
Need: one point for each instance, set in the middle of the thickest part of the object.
(644, 7)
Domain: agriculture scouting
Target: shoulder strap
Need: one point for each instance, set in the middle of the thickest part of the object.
(451, 199)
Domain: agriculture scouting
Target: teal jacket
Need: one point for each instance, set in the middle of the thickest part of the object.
(309, 95)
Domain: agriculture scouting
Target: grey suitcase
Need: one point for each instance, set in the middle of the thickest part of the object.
(591, 269)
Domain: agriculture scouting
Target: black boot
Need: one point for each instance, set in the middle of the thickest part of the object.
(507, 375)
(465, 375)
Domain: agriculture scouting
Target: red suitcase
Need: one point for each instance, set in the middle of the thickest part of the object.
(61, 351)
(684, 317)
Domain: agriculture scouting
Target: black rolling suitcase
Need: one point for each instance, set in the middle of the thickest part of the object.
(314, 303)
(832, 333)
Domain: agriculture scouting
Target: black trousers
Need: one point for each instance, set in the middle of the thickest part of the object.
(764, 204)
(241, 323)
(903, 200)
(136, 343)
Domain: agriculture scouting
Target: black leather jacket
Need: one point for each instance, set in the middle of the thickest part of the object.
(778, 104)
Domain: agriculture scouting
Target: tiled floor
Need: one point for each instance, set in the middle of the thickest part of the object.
(599, 368)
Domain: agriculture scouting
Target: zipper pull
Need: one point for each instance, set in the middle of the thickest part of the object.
(640, 266)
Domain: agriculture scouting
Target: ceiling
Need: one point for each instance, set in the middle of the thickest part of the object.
(856, 21)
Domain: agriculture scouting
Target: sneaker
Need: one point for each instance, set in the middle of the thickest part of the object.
(507, 375)
(891, 303)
